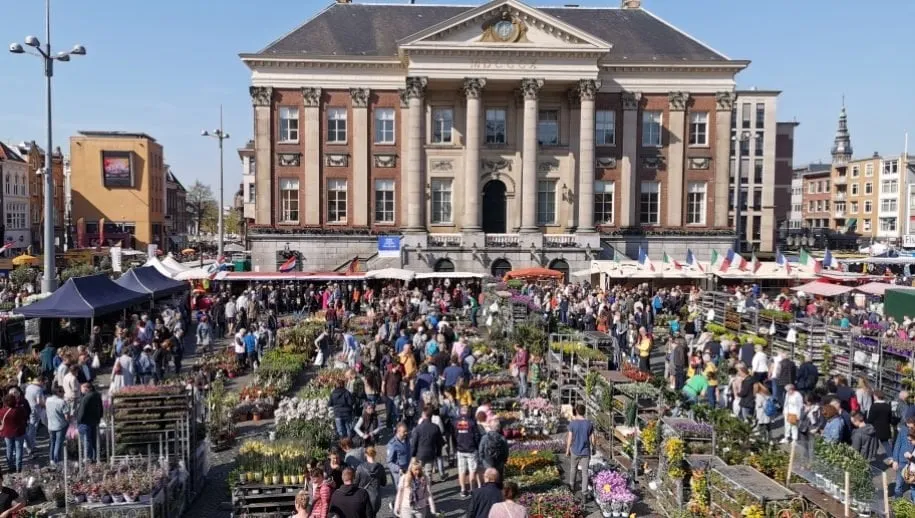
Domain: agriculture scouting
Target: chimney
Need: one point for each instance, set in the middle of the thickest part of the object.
(344, 1)
(630, 4)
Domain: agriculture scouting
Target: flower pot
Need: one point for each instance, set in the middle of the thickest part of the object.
(256, 417)
(129, 498)
(117, 498)
(144, 499)
(257, 476)
(276, 480)
(106, 499)
(243, 478)
(287, 480)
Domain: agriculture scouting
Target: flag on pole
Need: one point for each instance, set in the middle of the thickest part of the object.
(714, 262)
(827, 259)
(644, 261)
(670, 263)
(289, 265)
(810, 261)
(735, 259)
(755, 265)
(692, 262)
(353, 266)
(782, 261)
(726, 262)
(618, 256)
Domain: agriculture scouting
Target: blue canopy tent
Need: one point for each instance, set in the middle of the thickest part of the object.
(84, 297)
(146, 279)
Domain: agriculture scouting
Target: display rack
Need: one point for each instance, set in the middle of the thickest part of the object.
(734, 488)
(262, 500)
(623, 439)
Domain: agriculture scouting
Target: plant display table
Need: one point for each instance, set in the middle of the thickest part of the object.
(253, 500)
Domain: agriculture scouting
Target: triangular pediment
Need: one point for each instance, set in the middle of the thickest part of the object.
(504, 23)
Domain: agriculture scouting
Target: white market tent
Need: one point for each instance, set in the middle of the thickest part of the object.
(391, 273)
(822, 289)
(170, 263)
(193, 274)
(161, 268)
(874, 288)
(769, 271)
(449, 275)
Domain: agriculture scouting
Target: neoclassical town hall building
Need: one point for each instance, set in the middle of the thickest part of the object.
(490, 137)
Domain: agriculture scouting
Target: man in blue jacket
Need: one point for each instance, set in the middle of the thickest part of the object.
(902, 455)
(398, 454)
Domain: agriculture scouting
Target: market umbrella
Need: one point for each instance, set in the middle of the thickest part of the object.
(188, 251)
(24, 259)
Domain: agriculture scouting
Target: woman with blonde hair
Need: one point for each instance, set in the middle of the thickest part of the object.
(865, 396)
(414, 495)
(301, 505)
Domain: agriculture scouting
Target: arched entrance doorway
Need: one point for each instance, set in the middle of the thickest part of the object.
(560, 265)
(495, 213)
(500, 267)
(444, 265)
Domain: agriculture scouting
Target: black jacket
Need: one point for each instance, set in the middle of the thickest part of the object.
(786, 373)
(807, 377)
(342, 402)
(90, 410)
(351, 502)
(483, 499)
(466, 435)
(372, 477)
(746, 395)
(864, 441)
(427, 441)
(881, 415)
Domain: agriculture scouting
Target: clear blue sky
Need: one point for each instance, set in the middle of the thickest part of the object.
(164, 67)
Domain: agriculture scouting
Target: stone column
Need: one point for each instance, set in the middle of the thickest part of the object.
(571, 183)
(360, 156)
(676, 143)
(262, 99)
(630, 163)
(530, 88)
(473, 89)
(311, 133)
(724, 104)
(588, 91)
(402, 159)
(416, 199)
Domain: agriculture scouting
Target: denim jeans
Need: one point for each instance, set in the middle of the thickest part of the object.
(391, 405)
(712, 394)
(522, 384)
(344, 427)
(87, 436)
(901, 486)
(14, 452)
(56, 444)
(31, 431)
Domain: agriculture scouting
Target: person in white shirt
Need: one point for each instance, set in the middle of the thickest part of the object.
(239, 343)
(230, 311)
(760, 365)
(793, 411)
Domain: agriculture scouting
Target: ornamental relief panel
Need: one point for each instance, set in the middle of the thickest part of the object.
(336, 160)
(699, 163)
(385, 160)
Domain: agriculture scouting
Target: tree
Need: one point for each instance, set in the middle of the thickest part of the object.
(200, 200)
(231, 221)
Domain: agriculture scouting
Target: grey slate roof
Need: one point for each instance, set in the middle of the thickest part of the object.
(374, 29)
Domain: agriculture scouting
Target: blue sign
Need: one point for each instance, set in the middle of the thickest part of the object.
(388, 246)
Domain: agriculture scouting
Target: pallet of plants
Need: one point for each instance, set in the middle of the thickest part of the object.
(533, 470)
(741, 490)
(699, 437)
(220, 424)
(579, 356)
(152, 419)
(558, 502)
(222, 362)
(255, 402)
(268, 477)
(300, 337)
(614, 490)
(279, 369)
(124, 489)
(831, 462)
(494, 386)
(670, 482)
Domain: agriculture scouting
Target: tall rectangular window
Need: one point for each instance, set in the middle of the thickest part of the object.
(760, 115)
(695, 203)
(745, 115)
(651, 129)
(853, 207)
(546, 202)
(868, 188)
(496, 127)
(888, 205)
(891, 167)
(855, 171)
(758, 170)
(649, 203)
(289, 125)
(336, 125)
(252, 192)
(603, 202)
(889, 186)
(698, 129)
(336, 201)
(868, 206)
(759, 143)
(384, 201)
(605, 128)
(757, 198)
(384, 126)
(442, 125)
(548, 127)
(441, 201)
(289, 200)
(869, 169)
(854, 189)
(757, 228)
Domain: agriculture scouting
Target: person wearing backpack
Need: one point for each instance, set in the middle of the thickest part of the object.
(494, 448)
(766, 409)
(579, 442)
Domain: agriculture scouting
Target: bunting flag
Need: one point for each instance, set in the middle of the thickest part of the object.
(692, 262)
(810, 261)
(644, 261)
(755, 265)
(782, 261)
(735, 259)
(670, 263)
(827, 259)
(618, 256)
(353, 266)
(726, 262)
(713, 263)
(289, 265)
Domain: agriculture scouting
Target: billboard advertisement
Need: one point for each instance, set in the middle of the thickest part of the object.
(117, 169)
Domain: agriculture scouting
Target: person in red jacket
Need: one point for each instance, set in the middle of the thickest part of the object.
(13, 424)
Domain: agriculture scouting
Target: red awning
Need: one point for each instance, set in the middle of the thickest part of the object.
(822, 289)
(533, 274)
(874, 288)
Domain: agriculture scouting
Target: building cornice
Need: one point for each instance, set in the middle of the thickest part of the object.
(660, 67)
(254, 61)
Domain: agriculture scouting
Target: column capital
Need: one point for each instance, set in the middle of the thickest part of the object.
(588, 88)
(724, 101)
(416, 87)
(473, 87)
(404, 102)
(360, 97)
(311, 97)
(631, 100)
(530, 87)
(678, 101)
(261, 95)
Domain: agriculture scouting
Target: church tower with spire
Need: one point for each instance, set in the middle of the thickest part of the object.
(841, 148)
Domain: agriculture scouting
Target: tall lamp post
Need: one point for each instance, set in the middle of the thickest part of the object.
(49, 282)
(738, 196)
(219, 135)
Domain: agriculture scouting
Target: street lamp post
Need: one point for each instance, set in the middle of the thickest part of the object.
(219, 135)
(738, 195)
(49, 282)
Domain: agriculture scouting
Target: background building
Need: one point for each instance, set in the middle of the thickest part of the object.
(175, 212)
(495, 137)
(15, 201)
(799, 209)
(119, 177)
(35, 156)
(817, 199)
(248, 185)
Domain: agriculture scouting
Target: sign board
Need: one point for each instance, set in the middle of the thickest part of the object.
(908, 241)
(388, 246)
(151, 250)
(115, 258)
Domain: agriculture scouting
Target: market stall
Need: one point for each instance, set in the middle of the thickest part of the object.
(147, 279)
(84, 297)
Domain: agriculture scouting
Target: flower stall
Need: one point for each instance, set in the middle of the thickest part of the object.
(699, 437)
(127, 488)
(736, 490)
(558, 502)
(268, 476)
(826, 476)
(220, 424)
(633, 407)
(613, 491)
(306, 416)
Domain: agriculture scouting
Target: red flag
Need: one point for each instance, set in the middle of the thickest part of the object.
(353, 266)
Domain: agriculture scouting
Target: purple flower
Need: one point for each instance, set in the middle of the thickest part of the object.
(609, 483)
